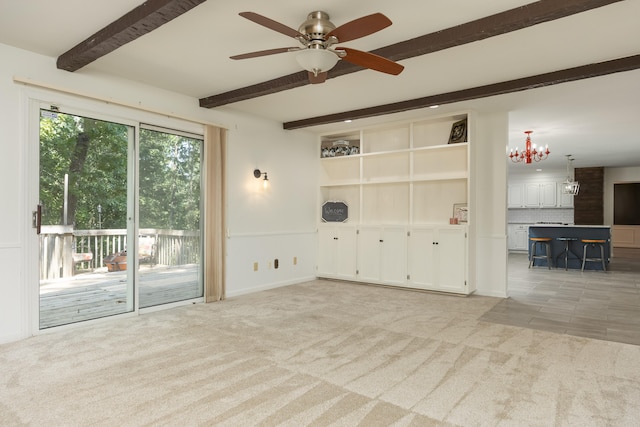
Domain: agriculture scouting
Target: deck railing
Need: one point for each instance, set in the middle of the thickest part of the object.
(64, 251)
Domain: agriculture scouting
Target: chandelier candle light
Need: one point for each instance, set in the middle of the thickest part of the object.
(530, 152)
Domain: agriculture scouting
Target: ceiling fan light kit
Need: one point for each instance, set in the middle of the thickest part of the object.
(318, 34)
(316, 61)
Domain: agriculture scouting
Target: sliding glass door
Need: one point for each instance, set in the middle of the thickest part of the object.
(169, 249)
(118, 217)
(85, 208)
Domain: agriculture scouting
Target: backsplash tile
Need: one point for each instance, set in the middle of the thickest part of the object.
(531, 216)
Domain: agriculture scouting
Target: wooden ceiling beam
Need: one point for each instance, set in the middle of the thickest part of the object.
(547, 79)
(480, 29)
(143, 19)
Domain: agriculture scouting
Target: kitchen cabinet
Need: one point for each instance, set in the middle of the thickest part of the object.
(516, 196)
(337, 252)
(437, 259)
(541, 195)
(548, 192)
(517, 237)
(564, 200)
(533, 195)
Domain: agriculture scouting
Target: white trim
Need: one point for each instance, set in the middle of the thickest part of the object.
(36, 97)
(16, 245)
(83, 323)
(163, 129)
(30, 82)
(270, 234)
(271, 286)
(161, 307)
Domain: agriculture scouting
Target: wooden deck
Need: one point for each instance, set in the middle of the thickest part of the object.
(101, 293)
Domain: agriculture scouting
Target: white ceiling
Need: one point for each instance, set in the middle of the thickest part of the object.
(592, 119)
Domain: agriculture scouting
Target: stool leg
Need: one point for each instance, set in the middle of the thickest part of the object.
(532, 253)
(548, 251)
(584, 256)
(566, 255)
(604, 268)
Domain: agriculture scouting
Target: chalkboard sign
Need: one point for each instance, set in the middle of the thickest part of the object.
(335, 212)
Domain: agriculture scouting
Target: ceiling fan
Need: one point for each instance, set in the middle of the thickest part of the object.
(318, 35)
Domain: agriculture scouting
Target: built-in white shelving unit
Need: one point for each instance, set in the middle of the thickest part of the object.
(400, 182)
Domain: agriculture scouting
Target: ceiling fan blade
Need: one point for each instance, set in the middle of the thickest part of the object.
(264, 52)
(320, 78)
(271, 24)
(372, 61)
(360, 27)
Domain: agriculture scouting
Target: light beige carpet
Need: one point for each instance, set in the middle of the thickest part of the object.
(321, 353)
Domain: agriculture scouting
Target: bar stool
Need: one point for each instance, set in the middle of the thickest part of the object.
(593, 243)
(535, 241)
(565, 251)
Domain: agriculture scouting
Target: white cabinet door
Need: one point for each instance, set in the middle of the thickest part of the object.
(346, 251)
(564, 200)
(541, 195)
(394, 256)
(518, 237)
(548, 192)
(516, 196)
(337, 252)
(382, 255)
(451, 249)
(532, 195)
(438, 258)
(420, 258)
(369, 254)
(521, 238)
(326, 251)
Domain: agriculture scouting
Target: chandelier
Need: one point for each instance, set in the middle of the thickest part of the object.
(570, 186)
(530, 152)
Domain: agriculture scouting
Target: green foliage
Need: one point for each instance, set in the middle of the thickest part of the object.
(169, 181)
(169, 174)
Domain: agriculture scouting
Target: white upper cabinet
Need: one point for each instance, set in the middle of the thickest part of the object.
(534, 195)
(516, 195)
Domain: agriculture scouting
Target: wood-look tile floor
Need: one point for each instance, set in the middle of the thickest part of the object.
(593, 304)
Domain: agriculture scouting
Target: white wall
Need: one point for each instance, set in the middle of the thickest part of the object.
(489, 196)
(261, 226)
(278, 223)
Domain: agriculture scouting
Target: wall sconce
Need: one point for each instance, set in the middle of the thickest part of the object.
(265, 181)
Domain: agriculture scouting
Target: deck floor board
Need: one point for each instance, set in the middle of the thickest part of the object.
(100, 293)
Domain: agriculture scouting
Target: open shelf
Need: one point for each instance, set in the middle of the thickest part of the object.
(404, 173)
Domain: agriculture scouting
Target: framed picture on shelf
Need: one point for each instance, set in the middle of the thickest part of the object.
(458, 132)
(461, 212)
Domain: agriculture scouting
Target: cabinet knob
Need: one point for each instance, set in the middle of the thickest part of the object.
(381, 241)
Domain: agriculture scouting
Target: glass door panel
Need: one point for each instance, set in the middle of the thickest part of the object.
(85, 189)
(169, 245)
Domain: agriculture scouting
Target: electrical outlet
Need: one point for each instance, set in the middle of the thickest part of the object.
(295, 260)
(269, 265)
(255, 266)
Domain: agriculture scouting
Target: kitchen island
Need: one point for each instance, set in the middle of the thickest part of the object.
(570, 236)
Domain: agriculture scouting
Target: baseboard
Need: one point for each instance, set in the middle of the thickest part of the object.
(268, 286)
